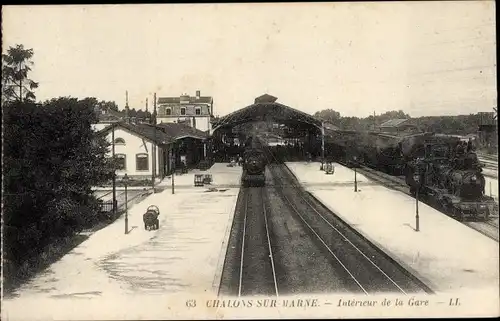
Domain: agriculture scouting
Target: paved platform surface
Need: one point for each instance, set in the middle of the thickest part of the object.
(222, 175)
(185, 256)
(447, 255)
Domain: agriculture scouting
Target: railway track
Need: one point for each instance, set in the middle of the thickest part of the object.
(257, 273)
(309, 249)
(488, 228)
(367, 268)
(489, 162)
(283, 241)
(488, 157)
(249, 267)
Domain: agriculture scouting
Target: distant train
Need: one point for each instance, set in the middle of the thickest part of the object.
(254, 164)
(378, 151)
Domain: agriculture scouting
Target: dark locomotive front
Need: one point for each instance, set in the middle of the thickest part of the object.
(254, 167)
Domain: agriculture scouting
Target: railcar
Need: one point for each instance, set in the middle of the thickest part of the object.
(378, 151)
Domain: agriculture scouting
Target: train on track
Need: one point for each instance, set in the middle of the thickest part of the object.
(254, 164)
(440, 168)
(447, 174)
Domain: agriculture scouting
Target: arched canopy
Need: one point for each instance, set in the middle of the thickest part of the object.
(266, 108)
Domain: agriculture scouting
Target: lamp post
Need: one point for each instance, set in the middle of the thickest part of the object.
(173, 168)
(125, 181)
(416, 178)
(322, 144)
(355, 174)
(114, 171)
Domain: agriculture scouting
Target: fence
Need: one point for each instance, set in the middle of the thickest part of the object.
(106, 206)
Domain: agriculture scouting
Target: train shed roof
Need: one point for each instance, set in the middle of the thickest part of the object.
(264, 108)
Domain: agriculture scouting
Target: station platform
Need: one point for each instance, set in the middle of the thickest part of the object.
(184, 256)
(223, 177)
(445, 254)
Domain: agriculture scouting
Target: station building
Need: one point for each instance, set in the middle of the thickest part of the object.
(142, 149)
(195, 111)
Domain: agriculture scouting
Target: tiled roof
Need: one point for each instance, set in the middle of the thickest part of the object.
(144, 130)
(176, 131)
(192, 100)
(393, 123)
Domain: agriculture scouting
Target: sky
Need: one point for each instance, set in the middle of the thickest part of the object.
(425, 58)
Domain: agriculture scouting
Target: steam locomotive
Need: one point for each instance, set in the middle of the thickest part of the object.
(254, 167)
(451, 177)
(254, 164)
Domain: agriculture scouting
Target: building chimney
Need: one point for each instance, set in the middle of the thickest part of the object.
(197, 94)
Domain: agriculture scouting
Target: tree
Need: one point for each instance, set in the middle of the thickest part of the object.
(329, 115)
(395, 114)
(47, 186)
(110, 105)
(16, 86)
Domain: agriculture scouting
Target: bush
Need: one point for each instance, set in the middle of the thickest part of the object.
(52, 158)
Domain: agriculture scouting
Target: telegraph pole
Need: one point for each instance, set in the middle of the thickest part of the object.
(153, 150)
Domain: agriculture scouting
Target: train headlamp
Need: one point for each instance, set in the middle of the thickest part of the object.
(473, 178)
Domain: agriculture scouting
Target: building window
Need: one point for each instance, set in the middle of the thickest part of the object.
(168, 111)
(142, 162)
(198, 111)
(121, 161)
(119, 141)
(183, 111)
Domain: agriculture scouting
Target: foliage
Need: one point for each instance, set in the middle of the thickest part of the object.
(457, 125)
(139, 114)
(103, 105)
(52, 159)
(110, 105)
(16, 86)
(329, 115)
